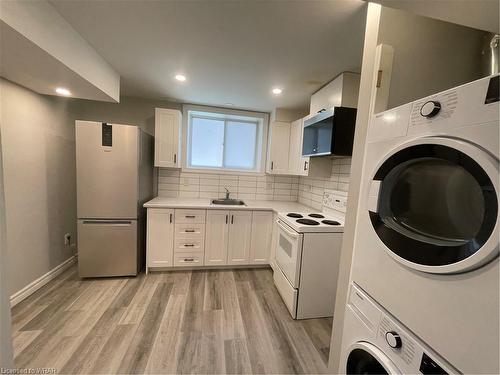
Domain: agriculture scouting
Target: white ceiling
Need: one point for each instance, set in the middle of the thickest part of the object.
(231, 51)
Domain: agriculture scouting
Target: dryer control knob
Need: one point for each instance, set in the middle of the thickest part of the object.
(393, 339)
(430, 109)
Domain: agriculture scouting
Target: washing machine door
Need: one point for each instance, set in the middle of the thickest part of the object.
(365, 358)
(433, 202)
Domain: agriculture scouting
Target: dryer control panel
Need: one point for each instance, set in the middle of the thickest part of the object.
(407, 352)
(467, 105)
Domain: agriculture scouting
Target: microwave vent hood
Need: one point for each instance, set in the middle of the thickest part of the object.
(329, 132)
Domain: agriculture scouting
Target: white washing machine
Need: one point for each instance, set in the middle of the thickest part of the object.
(427, 240)
(375, 343)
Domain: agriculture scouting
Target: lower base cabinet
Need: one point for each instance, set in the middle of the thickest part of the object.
(225, 237)
(216, 237)
(262, 233)
(160, 237)
(240, 235)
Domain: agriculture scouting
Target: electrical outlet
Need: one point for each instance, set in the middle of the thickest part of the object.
(67, 239)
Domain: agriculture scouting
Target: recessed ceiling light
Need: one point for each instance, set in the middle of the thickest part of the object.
(277, 91)
(180, 77)
(63, 91)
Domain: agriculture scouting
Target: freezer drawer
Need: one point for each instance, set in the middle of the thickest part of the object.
(107, 248)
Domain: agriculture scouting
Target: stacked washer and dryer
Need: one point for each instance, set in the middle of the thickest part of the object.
(424, 293)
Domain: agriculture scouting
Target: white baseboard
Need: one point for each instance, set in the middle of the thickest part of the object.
(41, 281)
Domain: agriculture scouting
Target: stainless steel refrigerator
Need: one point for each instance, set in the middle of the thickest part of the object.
(114, 172)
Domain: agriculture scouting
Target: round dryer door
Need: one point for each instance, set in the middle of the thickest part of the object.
(365, 358)
(437, 205)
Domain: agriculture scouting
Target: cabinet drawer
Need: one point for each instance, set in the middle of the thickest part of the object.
(193, 230)
(190, 216)
(188, 259)
(189, 244)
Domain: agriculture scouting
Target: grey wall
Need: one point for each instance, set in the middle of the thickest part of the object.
(429, 55)
(131, 111)
(5, 321)
(38, 140)
(38, 147)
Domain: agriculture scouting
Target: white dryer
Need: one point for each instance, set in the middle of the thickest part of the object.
(427, 240)
(374, 342)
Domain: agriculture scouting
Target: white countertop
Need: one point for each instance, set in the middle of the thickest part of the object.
(200, 203)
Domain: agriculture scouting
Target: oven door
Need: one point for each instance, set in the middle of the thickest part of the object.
(289, 253)
(434, 204)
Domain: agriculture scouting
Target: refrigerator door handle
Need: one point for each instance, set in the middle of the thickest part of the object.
(107, 222)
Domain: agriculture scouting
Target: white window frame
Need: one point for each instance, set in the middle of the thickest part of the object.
(262, 120)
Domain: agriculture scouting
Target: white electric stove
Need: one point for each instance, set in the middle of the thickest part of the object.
(307, 257)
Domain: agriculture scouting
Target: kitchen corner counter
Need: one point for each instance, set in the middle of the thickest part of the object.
(190, 203)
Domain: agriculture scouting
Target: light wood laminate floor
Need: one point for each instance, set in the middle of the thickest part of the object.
(202, 322)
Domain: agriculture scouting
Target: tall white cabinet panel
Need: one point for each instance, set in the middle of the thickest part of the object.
(262, 232)
(298, 165)
(216, 239)
(279, 148)
(160, 237)
(240, 230)
(168, 124)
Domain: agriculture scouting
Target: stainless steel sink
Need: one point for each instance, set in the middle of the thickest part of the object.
(228, 202)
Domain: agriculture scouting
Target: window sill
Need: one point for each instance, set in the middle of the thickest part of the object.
(222, 171)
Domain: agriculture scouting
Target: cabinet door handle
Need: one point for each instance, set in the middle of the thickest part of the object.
(188, 259)
(232, 219)
(189, 231)
(305, 165)
(226, 218)
(189, 245)
(272, 165)
(175, 158)
(170, 218)
(190, 216)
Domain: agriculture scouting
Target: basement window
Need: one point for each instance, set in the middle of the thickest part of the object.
(225, 140)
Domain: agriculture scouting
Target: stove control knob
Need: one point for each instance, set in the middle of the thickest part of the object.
(430, 109)
(393, 339)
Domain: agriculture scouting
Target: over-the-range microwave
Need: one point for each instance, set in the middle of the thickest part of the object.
(329, 132)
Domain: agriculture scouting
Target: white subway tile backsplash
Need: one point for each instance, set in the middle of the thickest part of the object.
(209, 181)
(247, 183)
(211, 188)
(170, 187)
(306, 190)
(247, 189)
(168, 193)
(189, 194)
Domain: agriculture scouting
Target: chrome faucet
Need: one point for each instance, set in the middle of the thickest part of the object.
(227, 193)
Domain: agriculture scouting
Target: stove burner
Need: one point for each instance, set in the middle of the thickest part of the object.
(316, 216)
(330, 222)
(307, 222)
(293, 214)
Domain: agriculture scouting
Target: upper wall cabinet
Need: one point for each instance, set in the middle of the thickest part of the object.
(298, 164)
(342, 91)
(278, 148)
(168, 123)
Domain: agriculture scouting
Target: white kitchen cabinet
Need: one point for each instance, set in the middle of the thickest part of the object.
(278, 148)
(160, 237)
(168, 123)
(298, 165)
(216, 237)
(240, 233)
(262, 232)
(341, 91)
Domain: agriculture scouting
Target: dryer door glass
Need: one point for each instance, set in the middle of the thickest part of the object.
(436, 205)
(362, 362)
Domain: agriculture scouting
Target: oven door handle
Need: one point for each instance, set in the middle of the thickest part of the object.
(284, 229)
